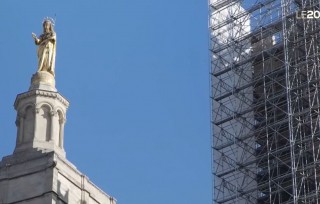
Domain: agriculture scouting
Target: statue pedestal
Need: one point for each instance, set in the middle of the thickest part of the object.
(44, 81)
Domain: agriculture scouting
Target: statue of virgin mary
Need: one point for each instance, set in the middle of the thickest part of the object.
(47, 47)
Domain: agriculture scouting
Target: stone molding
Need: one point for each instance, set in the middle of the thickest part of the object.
(49, 94)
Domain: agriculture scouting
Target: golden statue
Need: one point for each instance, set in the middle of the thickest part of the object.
(47, 47)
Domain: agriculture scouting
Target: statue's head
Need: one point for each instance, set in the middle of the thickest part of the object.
(48, 25)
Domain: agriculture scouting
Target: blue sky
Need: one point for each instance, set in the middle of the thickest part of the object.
(137, 77)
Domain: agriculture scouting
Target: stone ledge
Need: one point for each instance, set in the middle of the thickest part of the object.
(44, 93)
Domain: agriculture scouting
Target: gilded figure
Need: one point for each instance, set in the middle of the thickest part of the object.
(46, 47)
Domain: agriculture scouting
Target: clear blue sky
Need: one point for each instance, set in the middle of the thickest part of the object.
(136, 74)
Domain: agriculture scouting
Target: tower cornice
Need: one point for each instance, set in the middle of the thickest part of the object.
(44, 93)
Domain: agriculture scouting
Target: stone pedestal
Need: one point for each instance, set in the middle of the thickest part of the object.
(43, 81)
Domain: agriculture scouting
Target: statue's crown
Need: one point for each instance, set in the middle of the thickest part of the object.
(49, 19)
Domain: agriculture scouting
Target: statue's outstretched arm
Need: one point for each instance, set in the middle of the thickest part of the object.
(36, 39)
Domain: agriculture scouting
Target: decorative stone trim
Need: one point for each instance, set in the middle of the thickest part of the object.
(53, 113)
(43, 93)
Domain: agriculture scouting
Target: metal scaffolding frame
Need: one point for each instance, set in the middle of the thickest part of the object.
(265, 91)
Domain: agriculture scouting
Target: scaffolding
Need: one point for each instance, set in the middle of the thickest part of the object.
(265, 91)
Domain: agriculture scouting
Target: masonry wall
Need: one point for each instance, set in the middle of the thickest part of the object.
(45, 178)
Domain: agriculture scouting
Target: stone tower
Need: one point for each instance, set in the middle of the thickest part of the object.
(38, 172)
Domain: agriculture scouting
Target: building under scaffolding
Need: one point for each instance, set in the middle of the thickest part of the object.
(265, 79)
